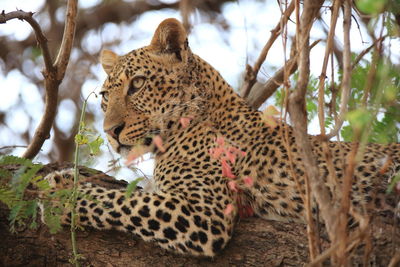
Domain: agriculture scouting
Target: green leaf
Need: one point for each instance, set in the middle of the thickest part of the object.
(22, 178)
(36, 52)
(10, 160)
(328, 122)
(371, 6)
(14, 217)
(347, 133)
(54, 223)
(7, 196)
(43, 185)
(82, 125)
(391, 93)
(132, 186)
(94, 145)
(81, 139)
(359, 118)
(51, 216)
(31, 209)
(5, 173)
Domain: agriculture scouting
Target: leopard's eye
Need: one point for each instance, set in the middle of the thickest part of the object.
(104, 94)
(135, 84)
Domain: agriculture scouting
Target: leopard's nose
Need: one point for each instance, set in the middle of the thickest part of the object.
(115, 130)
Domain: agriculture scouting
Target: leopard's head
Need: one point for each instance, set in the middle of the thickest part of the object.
(149, 89)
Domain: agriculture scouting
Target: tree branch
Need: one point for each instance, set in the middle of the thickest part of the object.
(41, 39)
(298, 115)
(53, 73)
(366, 51)
(346, 76)
(328, 48)
(258, 96)
(351, 160)
(251, 73)
(62, 59)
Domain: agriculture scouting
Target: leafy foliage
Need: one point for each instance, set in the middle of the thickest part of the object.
(12, 193)
(132, 186)
(24, 209)
(371, 6)
(89, 142)
(311, 99)
(380, 117)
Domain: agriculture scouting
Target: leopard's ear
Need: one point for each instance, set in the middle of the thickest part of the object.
(170, 38)
(108, 59)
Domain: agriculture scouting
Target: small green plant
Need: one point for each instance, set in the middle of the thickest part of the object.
(13, 187)
(83, 138)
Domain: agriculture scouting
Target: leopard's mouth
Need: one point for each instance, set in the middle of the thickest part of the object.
(124, 149)
(146, 141)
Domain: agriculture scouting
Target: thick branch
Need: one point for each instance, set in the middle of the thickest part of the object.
(258, 96)
(53, 77)
(251, 73)
(62, 59)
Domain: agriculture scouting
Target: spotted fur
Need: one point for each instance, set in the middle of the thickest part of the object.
(146, 93)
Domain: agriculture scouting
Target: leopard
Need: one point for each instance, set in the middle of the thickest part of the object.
(197, 197)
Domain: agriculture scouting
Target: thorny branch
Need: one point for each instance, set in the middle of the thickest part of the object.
(53, 73)
(252, 72)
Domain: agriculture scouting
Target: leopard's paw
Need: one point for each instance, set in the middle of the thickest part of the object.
(63, 179)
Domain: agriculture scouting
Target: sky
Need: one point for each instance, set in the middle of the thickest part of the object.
(250, 23)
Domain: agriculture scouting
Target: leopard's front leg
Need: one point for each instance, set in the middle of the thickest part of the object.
(174, 220)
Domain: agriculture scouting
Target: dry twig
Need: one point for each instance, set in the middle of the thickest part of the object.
(251, 73)
(342, 236)
(328, 50)
(346, 77)
(297, 114)
(366, 51)
(257, 97)
(355, 238)
(185, 9)
(12, 147)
